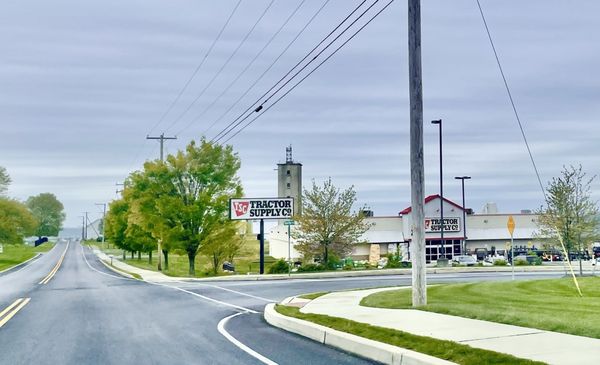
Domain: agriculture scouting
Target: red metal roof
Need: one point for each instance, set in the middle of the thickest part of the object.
(427, 200)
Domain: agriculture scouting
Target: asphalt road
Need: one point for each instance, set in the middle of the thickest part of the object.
(82, 313)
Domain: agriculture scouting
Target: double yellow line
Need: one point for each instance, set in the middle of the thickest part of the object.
(56, 267)
(12, 309)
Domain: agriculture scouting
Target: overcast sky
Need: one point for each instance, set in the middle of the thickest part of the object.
(83, 82)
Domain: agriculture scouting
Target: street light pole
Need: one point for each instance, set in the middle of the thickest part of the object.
(463, 248)
(442, 247)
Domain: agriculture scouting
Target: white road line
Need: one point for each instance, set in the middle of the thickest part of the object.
(101, 272)
(248, 350)
(240, 293)
(243, 309)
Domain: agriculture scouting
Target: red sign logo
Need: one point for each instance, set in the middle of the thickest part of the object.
(240, 208)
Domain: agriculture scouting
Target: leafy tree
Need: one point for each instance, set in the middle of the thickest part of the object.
(185, 199)
(125, 233)
(16, 221)
(571, 216)
(116, 224)
(327, 224)
(4, 181)
(219, 244)
(48, 211)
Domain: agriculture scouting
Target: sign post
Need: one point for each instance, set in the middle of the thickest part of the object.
(511, 229)
(261, 208)
(289, 223)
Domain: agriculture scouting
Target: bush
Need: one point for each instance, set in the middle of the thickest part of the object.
(334, 262)
(500, 263)
(279, 267)
(521, 263)
(311, 268)
(393, 262)
(537, 261)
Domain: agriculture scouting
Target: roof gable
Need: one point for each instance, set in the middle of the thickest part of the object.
(429, 199)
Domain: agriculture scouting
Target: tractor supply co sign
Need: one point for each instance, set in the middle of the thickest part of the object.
(451, 224)
(261, 208)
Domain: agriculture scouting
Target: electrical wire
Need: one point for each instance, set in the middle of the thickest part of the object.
(193, 75)
(310, 73)
(243, 71)
(291, 70)
(267, 69)
(242, 42)
(512, 103)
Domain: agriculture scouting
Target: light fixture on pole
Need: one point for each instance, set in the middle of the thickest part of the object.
(463, 247)
(442, 251)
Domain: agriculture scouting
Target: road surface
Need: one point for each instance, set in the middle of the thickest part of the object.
(67, 308)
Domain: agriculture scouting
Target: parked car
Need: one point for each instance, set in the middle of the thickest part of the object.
(465, 260)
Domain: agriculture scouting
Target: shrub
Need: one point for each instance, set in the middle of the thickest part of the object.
(500, 263)
(393, 262)
(521, 262)
(311, 268)
(279, 267)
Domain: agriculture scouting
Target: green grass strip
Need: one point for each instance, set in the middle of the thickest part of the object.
(14, 255)
(550, 304)
(312, 296)
(447, 350)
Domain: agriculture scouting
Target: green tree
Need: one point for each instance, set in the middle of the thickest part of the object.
(570, 215)
(221, 243)
(185, 199)
(16, 221)
(48, 211)
(4, 181)
(327, 224)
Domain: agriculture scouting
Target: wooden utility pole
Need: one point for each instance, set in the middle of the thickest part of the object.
(417, 170)
(162, 139)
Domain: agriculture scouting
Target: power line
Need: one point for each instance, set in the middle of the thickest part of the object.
(537, 174)
(290, 71)
(512, 103)
(307, 75)
(239, 75)
(242, 42)
(189, 80)
(267, 69)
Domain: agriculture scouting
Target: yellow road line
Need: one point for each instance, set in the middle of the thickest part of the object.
(12, 309)
(56, 267)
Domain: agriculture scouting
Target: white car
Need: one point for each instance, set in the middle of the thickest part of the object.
(465, 260)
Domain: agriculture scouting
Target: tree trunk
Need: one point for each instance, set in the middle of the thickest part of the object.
(123, 255)
(139, 255)
(132, 255)
(166, 255)
(150, 257)
(192, 262)
(580, 265)
(326, 255)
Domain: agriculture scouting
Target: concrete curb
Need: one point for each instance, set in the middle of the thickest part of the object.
(24, 263)
(115, 270)
(369, 349)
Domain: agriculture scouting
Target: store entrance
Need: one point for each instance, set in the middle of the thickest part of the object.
(433, 249)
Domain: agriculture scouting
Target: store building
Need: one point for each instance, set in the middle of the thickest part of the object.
(484, 234)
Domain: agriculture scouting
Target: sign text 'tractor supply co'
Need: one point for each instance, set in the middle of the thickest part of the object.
(261, 208)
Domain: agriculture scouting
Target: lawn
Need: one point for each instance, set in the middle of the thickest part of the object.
(448, 350)
(16, 254)
(246, 261)
(551, 304)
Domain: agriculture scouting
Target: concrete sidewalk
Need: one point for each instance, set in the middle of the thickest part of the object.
(527, 343)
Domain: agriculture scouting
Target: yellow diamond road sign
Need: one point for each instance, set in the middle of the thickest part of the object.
(510, 225)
